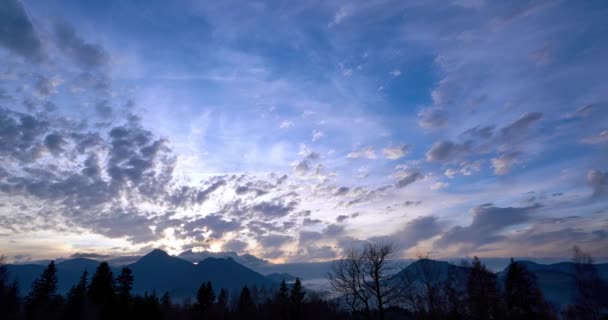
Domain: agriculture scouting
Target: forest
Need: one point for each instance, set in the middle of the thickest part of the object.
(364, 286)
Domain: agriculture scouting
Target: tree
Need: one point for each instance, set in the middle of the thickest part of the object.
(591, 299)
(282, 299)
(76, 306)
(205, 297)
(43, 301)
(296, 297)
(124, 284)
(523, 298)
(362, 279)
(222, 303)
(101, 290)
(423, 288)
(246, 309)
(483, 295)
(9, 294)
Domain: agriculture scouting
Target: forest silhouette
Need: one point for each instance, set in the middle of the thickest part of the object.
(364, 283)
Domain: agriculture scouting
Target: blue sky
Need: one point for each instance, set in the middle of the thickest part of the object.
(295, 130)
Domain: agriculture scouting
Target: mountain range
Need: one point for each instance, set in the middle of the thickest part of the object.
(182, 275)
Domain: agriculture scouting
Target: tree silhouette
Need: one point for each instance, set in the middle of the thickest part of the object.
(101, 290)
(483, 295)
(246, 308)
(43, 301)
(205, 297)
(76, 305)
(9, 294)
(296, 298)
(591, 300)
(124, 284)
(523, 298)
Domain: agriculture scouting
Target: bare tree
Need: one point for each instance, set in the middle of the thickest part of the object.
(423, 288)
(591, 301)
(363, 278)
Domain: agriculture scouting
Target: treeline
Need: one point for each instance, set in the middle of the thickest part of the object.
(366, 282)
(104, 296)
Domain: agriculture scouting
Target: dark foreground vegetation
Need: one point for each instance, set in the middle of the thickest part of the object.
(364, 282)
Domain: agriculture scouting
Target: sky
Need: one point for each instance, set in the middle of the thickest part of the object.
(296, 130)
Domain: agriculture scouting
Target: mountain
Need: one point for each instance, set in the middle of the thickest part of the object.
(155, 271)
(557, 280)
(68, 273)
(247, 260)
(278, 277)
(158, 271)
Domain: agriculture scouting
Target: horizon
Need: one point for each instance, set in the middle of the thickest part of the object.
(296, 132)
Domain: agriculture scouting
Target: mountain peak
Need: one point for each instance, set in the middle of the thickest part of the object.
(157, 253)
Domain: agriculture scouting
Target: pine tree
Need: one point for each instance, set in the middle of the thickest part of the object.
(483, 294)
(222, 302)
(205, 297)
(101, 289)
(76, 305)
(246, 308)
(43, 301)
(283, 300)
(523, 298)
(296, 298)
(124, 284)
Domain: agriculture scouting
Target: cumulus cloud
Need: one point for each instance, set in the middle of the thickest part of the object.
(394, 153)
(407, 177)
(366, 152)
(446, 150)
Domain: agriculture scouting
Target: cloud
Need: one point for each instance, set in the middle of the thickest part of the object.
(235, 245)
(214, 223)
(367, 152)
(274, 209)
(446, 150)
(598, 180)
(411, 233)
(407, 177)
(488, 222)
(86, 55)
(503, 164)
(395, 73)
(17, 32)
(431, 118)
(394, 153)
(519, 127)
(317, 135)
(286, 124)
(600, 138)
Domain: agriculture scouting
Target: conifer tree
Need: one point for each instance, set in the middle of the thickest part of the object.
(246, 308)
(101, 290)
(76, 305)
(523, 298)
(296, 298)
(43, 301)
(483, 295)
(205, 297)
